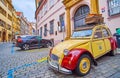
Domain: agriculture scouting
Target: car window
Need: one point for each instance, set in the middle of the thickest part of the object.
(82, 33)
(98, 34)
(105, 33)
(32, 37)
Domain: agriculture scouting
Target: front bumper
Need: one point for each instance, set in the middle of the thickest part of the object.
(58, 68)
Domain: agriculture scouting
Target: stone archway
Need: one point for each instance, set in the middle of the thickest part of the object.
(80, 15)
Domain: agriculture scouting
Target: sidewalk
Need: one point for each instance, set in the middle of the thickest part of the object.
(1, 43)
(118, 50)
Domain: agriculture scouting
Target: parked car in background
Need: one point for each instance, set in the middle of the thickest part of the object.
(82, 49)
(29, 42)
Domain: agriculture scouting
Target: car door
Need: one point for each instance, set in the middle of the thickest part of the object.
(34, 42)
(43, 42)
(106, 36)
(98, 46)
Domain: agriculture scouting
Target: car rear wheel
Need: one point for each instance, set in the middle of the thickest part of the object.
(113, 52)
(84, 65)
(25, 46)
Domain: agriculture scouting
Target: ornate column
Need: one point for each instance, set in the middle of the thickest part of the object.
(94, 7)
(68, 26)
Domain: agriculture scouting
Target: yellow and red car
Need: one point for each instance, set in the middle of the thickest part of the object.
(82, 49)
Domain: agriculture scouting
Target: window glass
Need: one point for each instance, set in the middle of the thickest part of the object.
(105, 33)
(98, 34)
(40, 31)
(114, 7)
(62, 24)
(80, 15)
(52, 27)
(45, 30)
(82, 33)
(51, 2)
(45, 7)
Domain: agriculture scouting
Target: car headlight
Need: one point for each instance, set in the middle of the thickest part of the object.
(66, 51)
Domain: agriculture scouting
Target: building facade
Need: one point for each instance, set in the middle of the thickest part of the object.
(32, 28)
(77, 11)
(50, 18)
(24, 24)
(15, 24)
(5, 20)
(110, 9)
(53, 15)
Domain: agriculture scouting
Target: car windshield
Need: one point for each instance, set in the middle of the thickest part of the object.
(82, 33)
(30, 37)
(27, 37)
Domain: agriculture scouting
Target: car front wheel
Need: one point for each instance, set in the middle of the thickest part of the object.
(48, 45)
(84, 65)
(25, 46)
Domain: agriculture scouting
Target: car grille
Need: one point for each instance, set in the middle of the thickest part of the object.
(54, 57)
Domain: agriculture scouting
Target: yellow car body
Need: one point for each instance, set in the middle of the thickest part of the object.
(65, 56)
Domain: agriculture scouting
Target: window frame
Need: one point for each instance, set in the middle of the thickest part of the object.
(63, 20)
(41, 31)
(108, 34)
(112, 7)
(51, 27)
(45, 30)
(98, 29)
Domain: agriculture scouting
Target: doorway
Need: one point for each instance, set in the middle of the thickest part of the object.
(4, 36)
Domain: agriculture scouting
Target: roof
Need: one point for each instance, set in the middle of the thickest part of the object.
(18, 13)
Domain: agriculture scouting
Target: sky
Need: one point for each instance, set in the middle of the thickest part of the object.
(27, 7)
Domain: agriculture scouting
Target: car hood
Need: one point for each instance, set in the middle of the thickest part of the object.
(68, 44)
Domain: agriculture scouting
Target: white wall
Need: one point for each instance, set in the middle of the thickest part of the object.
(111, 22)
(52, 14)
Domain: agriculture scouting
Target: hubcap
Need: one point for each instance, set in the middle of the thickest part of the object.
(26, 47)
(84, 65)
(48, 44)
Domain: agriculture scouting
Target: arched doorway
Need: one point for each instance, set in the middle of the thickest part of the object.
(4, 36)
(80, 15)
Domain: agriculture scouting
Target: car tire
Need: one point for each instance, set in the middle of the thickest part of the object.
(48, 44)
(84, 65)
(113, 52)
(26, 47)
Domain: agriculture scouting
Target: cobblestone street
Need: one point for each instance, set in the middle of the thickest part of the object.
(25, 64)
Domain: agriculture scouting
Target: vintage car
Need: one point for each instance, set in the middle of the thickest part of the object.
(82, 49)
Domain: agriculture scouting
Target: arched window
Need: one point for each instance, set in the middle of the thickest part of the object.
(80, 15)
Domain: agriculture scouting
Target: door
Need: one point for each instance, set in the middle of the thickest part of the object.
(34, 42)
(106, 35)
(98, 45)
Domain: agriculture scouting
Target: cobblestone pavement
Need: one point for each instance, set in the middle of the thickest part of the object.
(15, 63)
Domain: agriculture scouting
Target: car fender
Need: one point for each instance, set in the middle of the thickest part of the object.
(113, 43)
(70, 61)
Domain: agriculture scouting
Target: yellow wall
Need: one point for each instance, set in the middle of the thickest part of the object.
(8, 23)
(16, 24)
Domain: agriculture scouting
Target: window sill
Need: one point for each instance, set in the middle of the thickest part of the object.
(114, 16)
(52, 34)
